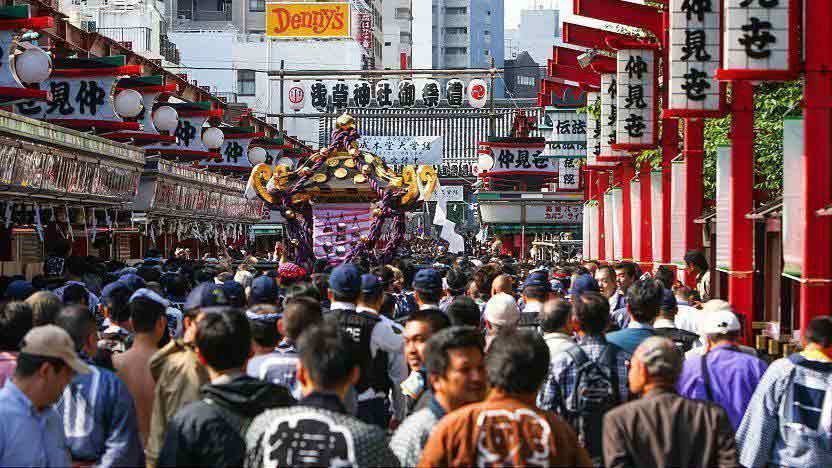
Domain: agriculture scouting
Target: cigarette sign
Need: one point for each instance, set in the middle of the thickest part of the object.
(299, 20)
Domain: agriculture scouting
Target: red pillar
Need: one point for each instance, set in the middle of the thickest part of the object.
(625, 172)
(741, 279)
(816, 290)
(694, 188)
(603, 185)
(646, 215)
(670, 149)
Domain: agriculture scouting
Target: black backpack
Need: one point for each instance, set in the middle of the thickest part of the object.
(594, 393)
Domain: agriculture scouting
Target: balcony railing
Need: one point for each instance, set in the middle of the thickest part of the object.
(204, 15)
(137, 38)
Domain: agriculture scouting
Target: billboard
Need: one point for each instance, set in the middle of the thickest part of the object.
(308, 20)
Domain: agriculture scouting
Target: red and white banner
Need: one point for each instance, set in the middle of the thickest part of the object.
(365, 31)
(657, 225)
(636, 100)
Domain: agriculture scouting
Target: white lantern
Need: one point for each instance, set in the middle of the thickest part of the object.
(257, 155)
(33, 65)
(288, 162)
(128, 103)
(455, 92)
(212, 137)
(384, 94)
(477, 93)
(430, 93)
(486, 162)
(297, 96)
(165, 118)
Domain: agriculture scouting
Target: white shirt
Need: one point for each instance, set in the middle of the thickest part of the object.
(663, 323)
(686, 318)
(533, 307)
(429, 307)
(337, 305)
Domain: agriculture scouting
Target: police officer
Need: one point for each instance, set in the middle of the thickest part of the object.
(427, 287)
(536, 290)
(376, 340)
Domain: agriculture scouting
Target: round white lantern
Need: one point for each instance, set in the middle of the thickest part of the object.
(212, 137)
(33, 65)
(128, 103)
(288, 162)
(296, 95)
(165, 118)
(257, 155)
(477, 93)
(486, 162)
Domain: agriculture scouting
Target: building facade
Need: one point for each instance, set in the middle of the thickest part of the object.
(522, 77)
(397, 32)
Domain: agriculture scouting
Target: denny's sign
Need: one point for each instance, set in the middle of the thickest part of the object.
(322, 20)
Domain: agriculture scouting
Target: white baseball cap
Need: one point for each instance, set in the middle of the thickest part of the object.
(718, 318)
(502, 309)
(53, 342)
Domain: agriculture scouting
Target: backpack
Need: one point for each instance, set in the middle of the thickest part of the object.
(594, 393)
(806, 407)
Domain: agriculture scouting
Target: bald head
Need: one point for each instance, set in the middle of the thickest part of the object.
(657, 362)
(502, 284)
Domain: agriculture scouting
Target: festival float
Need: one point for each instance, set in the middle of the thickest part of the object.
(342, 202)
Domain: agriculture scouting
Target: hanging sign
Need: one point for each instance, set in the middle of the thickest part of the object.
(794, 210)
(568, 136)
(86, 98)
(430, 94)
(477, 93)
(319, 95)
(362, 94)
(695, 36)
(569, 174)
(593, 132)
(677, 213)
(234, 149)
(340, 95)
(384, 94)
(723, 208)
(636, 100)
(395, 150)
(635, 217)
(761, 40)
(609, 118)
(657, 225)
(455, 92)
(365, 31)
(516, 158)
(407, 93)
(449, 193)
(297, 96)
(303, 20)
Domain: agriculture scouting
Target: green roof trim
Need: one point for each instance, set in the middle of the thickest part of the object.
(112, 61)
(237, 130)
(15, 12)
(271, 141)
(190, 106)
(142, 81)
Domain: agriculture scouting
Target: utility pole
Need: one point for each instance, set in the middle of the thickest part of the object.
(282, 90)
(492, 127)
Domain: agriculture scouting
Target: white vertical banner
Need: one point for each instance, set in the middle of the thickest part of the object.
(657, 223)
(635, 218)
(723, 208)
(609, 238)
(635, 97)
(618, 222)
(677, 212)
(569, 174)
(587, 233)
(609, 117)
(593, 221)
(759, 37)
(695, 38)
(794, 211)
(593, 131)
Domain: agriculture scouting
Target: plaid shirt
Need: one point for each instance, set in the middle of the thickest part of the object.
(557, 389)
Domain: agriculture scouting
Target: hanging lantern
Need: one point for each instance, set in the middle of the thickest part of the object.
(486, 162)
(455, 92)
(128, 103)
(384, 94)
(297, 96)
(257, 155)
(407, 93)
(477, 93)
(165, 118)
(212, 137)
(319, 95)
(362, 94)
(430, 94)
(33, 65)
(288, 162)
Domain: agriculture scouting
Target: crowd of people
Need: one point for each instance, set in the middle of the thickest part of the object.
(446, 361)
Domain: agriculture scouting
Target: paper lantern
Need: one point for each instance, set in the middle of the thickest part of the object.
(297, 96)
(486, 162)
(33, 65)
(128, 103)
(362, 94)
(455, 92)
(165, 118)
(477, 93)
(384, 94)
(430, 93)
(407, 93)
(212, 137)
(257, 155)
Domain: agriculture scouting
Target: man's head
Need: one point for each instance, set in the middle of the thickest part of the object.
(555, 316)
(327, 361)
(502, 284)
(372, 291)
(484, 279)
(463, 311)
(419, 328)
(19, 290)
(79, 323)
(537, 287)
(148, 317)
(582, 284)
(223, 339)
(455, 367)
(299, 314)
(718, 323)
(15, 321)
(289, 273)
(76, 294)
(644, 298)
(345, 283)
(592, 266)
(45, 307)
(696, 262)
(263, 291)
(47, 363)
(76, 266)
(819, 334)
(455, 282)
(205, 296)
(668, 308)
(625, 275)
(657, 362)
(262, 319)
(427, 286)
(517, 363)
(501, 313)
(605, 275)
(664, 275)
(114, 302)
(592, 313)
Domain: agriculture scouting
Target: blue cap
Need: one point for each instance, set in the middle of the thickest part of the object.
(263, 290)
(132, 281)
(19, 290)
(371, 284)
(582, 284)
(205, 295)
(345, 279)
(150, 294)
(427, 280)
(112, 289)
(538, 279)
(235, 292)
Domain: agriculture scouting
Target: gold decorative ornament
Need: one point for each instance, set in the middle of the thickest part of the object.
(366, 169)
(290, 214)
(319, 178)
(350, 163)
(305, 172)
(340, 173)
(368, 158)
(377, 212)
(294, 241)
(359, 179)
(333, 162)
(345, 122)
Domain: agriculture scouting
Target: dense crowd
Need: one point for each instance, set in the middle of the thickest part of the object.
(427, 361)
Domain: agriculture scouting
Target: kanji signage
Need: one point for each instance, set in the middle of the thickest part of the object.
(430, 94)
(761, 40)
(340, 95)
(85, 98)
(362, 94)
(517, 158)
(695, 37)
(555, 212)
(593, 132)
(569, 174)
(455, 92)
(636, 100)
(234, 149)
(568, 134)
(319, 95)
(384, 94)
(395, 150)
(453, 169)
(365, 31)
(609, 118)
(407, 93)
(450, 193)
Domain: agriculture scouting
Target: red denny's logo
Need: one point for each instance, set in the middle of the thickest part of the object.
(309, 20)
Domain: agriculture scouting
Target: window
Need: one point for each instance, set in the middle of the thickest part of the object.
(526, 80)
(456, 10)
(388, 44)
(456, 30)
(456, 50)
(256, 5)
(246, 83)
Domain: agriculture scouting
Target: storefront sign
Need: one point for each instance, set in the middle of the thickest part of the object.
(555, 213)
(394, 150)
(569, 174)
(449, 193)
(521, 160)
(567, 137)
(609, 118)
(302, 20)
(636, 99)
(85, 98)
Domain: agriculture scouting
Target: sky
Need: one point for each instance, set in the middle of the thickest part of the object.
(513, 7)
